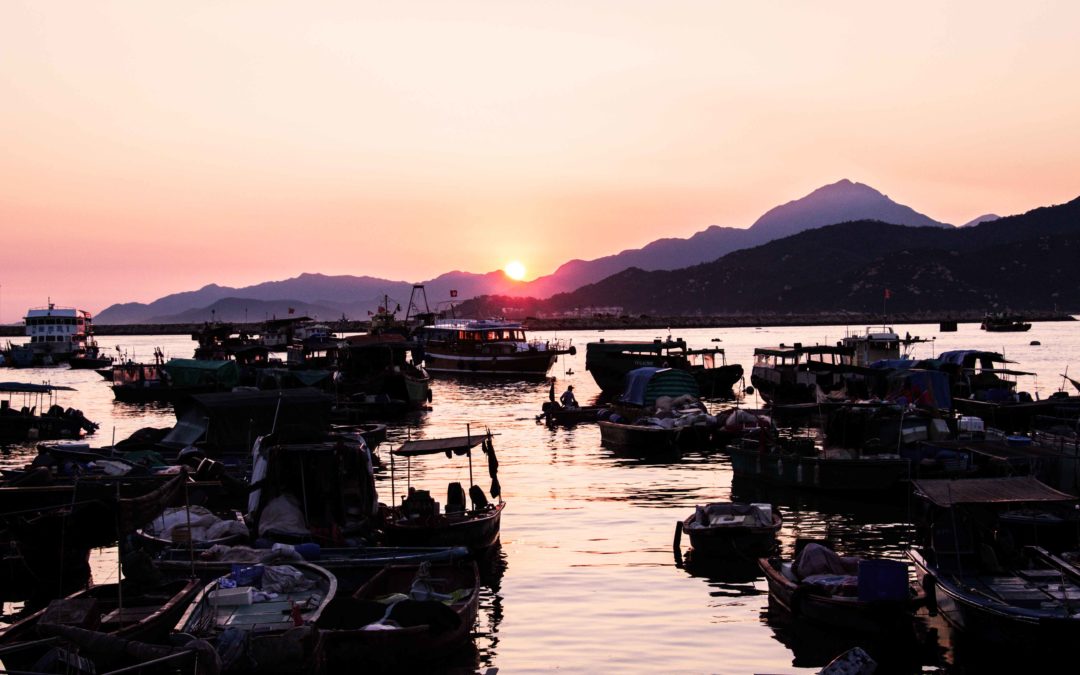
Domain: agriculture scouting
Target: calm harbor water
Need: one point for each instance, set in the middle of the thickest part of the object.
(585, 579)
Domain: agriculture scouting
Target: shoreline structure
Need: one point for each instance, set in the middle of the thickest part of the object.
(613, 322)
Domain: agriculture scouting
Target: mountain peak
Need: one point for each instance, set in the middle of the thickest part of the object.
(842, 201)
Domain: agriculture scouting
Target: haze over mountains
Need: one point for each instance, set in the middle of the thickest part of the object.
(330, 297)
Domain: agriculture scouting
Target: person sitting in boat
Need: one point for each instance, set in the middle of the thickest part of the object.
(567, 399)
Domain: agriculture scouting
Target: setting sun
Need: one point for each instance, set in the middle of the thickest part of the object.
(515, 270)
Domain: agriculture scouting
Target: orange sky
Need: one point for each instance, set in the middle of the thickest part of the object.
(148, 148)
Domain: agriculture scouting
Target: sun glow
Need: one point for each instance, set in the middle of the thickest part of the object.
(515, 270)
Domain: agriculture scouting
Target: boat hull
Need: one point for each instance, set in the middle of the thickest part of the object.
(408, 646)
(477, 530)
(525, 364)
(840, 475)
(639, 439)
(994, 622)
(733, 542)
(845, 612)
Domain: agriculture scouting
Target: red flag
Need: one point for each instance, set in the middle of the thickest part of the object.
(888, 294)
(453, 294)
(292, 310)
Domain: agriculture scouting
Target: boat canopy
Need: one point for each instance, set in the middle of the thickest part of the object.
(1012, 490)
(28, 388)
(643, 386)
(793, 352)
(968, 358)
(231, 419)
(928, 388)
(637, 346)
(195, 372)
(458, 445)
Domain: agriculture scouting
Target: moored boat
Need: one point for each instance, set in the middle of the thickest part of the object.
(418, 521)
(856, 594)
(127, 610)
(801, 374)
(733, 530)
(262, 618)
(610, 361)
(26, 424)
(803, 463)
(487, 347)
(57, 334)
(402, 617)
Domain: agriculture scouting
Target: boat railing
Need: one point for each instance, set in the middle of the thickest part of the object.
(552, 345)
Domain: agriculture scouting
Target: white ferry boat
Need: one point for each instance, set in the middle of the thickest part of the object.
(57, 334)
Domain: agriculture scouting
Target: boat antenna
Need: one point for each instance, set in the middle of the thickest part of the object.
(468, 443)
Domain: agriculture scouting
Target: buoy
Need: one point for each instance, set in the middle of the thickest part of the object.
(1035, 343)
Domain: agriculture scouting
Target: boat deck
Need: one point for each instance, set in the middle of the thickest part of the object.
(1043, 590)
(272, 615)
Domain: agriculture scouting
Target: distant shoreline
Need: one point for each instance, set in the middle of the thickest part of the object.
(614, 322)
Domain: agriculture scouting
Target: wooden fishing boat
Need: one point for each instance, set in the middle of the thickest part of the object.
(798, 374)
(859, 595)
(802, 463)
(126, 611)
(733, 530)
(24, 424)
(981, 578)
(434, 618)
(639, 438)
(418, 521)
(554, 414)
(266, 635)
(610, 361)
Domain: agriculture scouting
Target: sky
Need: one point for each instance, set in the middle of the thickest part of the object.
(150, 147)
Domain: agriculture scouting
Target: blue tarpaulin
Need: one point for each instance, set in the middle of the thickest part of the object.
(924, 388)
(644, 385)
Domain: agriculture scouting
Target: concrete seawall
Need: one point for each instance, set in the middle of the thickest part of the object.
(611, 322)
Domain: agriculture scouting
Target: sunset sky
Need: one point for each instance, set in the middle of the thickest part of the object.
(154, 147)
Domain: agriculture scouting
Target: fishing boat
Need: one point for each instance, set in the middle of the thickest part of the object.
(418, 520)
(732, 530)
(804, 462)
(262, 618)
(173, 380)
(91, 357)
(610, 361)
(862, 595)
(879, 345)
(487, 347)
(802, 374)
(657, 412)
(432, 613)
(25, 424)
(1004, 322)
(57, 334)
(380, 366)
(982, 579)
(639, 438)
(128, 610)
(554, 414)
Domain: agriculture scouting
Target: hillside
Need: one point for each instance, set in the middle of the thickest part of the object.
(1024, 262)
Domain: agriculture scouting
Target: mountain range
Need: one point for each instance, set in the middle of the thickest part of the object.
(1023, 262)
(330, 297)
